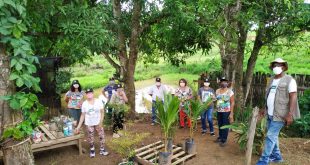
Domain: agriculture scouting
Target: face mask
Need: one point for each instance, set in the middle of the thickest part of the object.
(89, 95)
(182, 84)
(158, 84)
(224, 85)
(76, 85)
(206, 84)
(277, 70)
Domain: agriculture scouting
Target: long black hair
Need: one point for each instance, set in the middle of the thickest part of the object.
(72, 87)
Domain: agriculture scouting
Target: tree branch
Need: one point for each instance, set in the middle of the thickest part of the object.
(111, 61)
(155, 20)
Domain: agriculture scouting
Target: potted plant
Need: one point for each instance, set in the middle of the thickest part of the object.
(167, 114)
(125, 145)
(194, 109)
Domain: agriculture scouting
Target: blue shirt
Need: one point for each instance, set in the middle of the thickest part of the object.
(110, 90)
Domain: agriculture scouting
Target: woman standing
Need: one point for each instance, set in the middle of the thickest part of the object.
(205, 93)
(225, 108)
(118, 99)
(184, 93)
(93, 113)
(74, 98)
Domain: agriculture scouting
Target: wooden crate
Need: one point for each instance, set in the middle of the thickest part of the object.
(148, 155)
(50, 140)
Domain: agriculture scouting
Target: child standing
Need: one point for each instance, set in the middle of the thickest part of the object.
(93, 114)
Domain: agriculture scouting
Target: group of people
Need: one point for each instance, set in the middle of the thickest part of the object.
(281, 108)
(91, 111)
(223, 99)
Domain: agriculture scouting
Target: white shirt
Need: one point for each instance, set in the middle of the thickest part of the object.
(92, 112)
(157, 92)
(272, 94)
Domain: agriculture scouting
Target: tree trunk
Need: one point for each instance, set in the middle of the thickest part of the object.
(20, 154)
(251, 63)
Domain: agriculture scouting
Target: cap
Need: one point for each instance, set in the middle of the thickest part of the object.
(223, 79)
(119, 86)
(206, 80)
(88, 90)
(158, 79)
(75, 82)
(280, 61)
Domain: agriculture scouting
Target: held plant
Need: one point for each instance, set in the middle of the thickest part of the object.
(167, 114)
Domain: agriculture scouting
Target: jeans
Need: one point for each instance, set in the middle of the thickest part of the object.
(223, 119)
(153, 111)
(75, 113)
(271, 148)
(207, 114)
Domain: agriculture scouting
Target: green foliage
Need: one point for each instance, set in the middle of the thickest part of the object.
(242, 132)
(244, 115)
(12, 29)
(304, 103)
(63, 81)
(125, 145)
(301, 127)
(167, 115)
(194, 108)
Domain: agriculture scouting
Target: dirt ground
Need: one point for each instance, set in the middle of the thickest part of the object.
(295, 152)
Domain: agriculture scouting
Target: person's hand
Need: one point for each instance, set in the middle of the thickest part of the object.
(77, 130)
(231, 118)
(261, 114)
(288, 119)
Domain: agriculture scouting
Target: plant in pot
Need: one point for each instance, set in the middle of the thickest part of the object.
(125, 145)
(194, 109)
(167, 114)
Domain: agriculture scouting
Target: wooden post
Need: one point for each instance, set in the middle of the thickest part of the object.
(250, 136)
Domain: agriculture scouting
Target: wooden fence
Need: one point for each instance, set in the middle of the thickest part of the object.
(258, 87)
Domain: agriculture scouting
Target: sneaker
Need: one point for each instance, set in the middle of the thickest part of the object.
(223, 144)
(115, 135)
(92, 153)
(153, 124)
(212, 134)
(103, 152)
(203, 132)
(274, 159)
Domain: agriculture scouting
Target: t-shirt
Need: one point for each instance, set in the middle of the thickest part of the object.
(183, 94)
(205, 94)
(157, 92)
(92, 112)
(75, 99)
(110, 89)
(292, 87)
(223, 100)
(117, 99)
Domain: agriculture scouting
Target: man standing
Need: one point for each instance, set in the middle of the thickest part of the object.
(281, 108)
(110, 88)
(157, 92)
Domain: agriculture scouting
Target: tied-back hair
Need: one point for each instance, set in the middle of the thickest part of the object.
(183, 80)
(73, 89)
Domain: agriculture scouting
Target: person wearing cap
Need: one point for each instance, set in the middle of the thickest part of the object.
(281, 109)
(110, 88)
(74, 99)
(118, 98)
(204, 94)
(225, 110)
(157, 91)
(184, 93)
(93, 114)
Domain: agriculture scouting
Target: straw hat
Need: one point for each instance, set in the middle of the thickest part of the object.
(280, 61)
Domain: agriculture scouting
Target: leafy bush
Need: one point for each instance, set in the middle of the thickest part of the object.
(63, 81)
(300, 127)
(304, 103)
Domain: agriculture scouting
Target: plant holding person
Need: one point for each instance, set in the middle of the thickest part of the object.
(93, 114)
(118, 104)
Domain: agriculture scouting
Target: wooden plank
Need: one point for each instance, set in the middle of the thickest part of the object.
(44, 138)
(183, 159)
(154, 153)
(47, 132)
(178, 155)
(54, 133)
(57, 141)
(148, 146)
(142, 161)
(69, 143)
(251, 133)
(150, 150)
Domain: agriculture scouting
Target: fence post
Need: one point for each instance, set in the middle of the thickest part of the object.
(250, 136)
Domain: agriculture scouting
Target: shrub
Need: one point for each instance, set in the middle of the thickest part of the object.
(304, 103)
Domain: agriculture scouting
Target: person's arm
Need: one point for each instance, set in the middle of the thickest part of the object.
(232, 105)
(102, 116)
(125, 97)
(199, 96)
(67, 97)
(190, 93)
(292, 105)
(80, 122)
(104, 94)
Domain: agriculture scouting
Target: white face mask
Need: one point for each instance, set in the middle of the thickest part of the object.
(182, 84)
(157, 84)
(76, 86)
(277, 70)
(206, 84)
